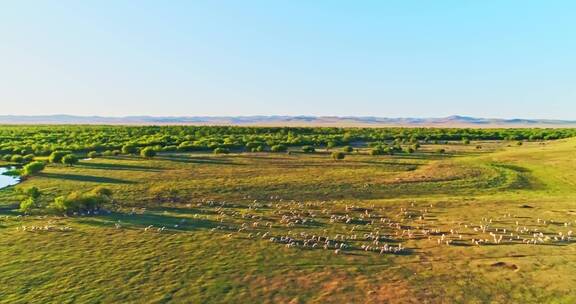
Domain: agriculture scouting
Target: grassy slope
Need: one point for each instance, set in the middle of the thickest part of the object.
(96, 262)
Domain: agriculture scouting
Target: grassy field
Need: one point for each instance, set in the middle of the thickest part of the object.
(490, 225)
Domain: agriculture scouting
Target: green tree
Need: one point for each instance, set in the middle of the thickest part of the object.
(129, 149)
(338, 155)
(278, 148)
(69, 160)
(17, 158)
(78, 201)
(220, 150)
(147, 152)
(31, 200)
(56, 156)
(33, 168)
(308, 149)
(28, 158)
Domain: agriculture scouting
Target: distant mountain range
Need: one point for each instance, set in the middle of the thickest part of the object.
(327, 121)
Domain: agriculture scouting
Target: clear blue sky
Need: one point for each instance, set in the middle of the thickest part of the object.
(378, 58)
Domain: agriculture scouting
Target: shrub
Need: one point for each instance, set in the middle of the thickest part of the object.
(164, 193)
(27, 205)
(171, 148)
(129, 149)
(147, 152)
(101, 191)
(69, 160)
(33, 168)
(93, 154)
(56, 156)
(221, 151)
(31, 200)
(377, 151)
(17, 158)
(348, 149)
(7, 157)
(338, 155)
(87, 201)
(278, 148)
(308, 149)
(28, 158)
(440, 151)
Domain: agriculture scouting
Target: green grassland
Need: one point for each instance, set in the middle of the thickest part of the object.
(194, 227)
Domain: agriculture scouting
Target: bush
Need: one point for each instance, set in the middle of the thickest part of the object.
(56, 156)
(278, 148)
(17, 158)
(147, 152)
(7, 157)
(93, 154)
(28, 158)
(33, 168)
(27, 205)
(129, 149)
(378, 151)
(308, 149)
(221, 151)
(440, 151)
(338, 155)
(348, 149)
(31, 200)
(69, 160)
(87, 201)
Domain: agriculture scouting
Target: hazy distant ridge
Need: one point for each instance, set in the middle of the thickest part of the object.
(286, 120)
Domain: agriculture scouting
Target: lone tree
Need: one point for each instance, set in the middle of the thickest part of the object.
(148, 152)
(31, 200)
(17, 158)
(70, 160)
(278, 148)
(33, 168)
(220, 150)
(338, 155)
(308, 149)
(129, 149)
(56, 156)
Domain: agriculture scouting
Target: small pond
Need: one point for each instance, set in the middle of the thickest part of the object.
(7, 180)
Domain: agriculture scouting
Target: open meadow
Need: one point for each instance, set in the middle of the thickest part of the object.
(465, 219)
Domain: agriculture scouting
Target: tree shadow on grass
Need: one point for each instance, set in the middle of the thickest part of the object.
(156, 220)
(86, 178)
(198, 160)
(123, 167)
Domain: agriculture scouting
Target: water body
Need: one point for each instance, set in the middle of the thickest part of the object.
(6, 180)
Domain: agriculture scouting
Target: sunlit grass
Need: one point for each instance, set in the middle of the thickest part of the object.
(111, 258)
